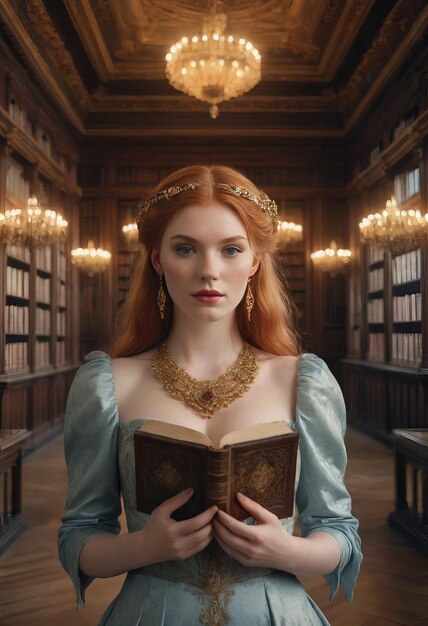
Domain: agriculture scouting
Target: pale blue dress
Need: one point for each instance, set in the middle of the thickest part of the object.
(209, 588)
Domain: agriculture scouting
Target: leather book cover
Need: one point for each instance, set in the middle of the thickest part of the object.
(263, 469)
(164, 467)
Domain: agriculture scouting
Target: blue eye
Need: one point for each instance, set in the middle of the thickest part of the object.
(184, 250)
(232, 250)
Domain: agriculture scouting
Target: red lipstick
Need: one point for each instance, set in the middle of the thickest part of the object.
(207, 296)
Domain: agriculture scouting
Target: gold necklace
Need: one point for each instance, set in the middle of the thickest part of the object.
(206, 396)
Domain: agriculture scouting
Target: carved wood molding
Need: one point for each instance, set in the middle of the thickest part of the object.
(396, 28)
(53, 46)
(216, 131)
(328, 102)
(408, 142)
(86, 24)
(25, 47)
(17, 139)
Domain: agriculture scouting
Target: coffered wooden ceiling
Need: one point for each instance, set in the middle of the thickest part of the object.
(323, 61)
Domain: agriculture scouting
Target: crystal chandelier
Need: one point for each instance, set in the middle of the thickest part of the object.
(130, 232)
(288, 233)
(394, 228)
(213, 67)
(32, 226)
(91, 260)
(331, 260)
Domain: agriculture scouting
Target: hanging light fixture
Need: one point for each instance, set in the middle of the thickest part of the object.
(394, 228)
(288, 233)
(91, 260)
(32, 226)
(130, 233)
(213, 67)
(331, 260)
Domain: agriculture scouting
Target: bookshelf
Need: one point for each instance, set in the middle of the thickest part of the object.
(38, 312)
(126, 211)
(386, 372)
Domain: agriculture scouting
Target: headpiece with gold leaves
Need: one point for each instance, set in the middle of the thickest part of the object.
(263, 201)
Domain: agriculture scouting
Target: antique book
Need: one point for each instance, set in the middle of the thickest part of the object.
(259, 461)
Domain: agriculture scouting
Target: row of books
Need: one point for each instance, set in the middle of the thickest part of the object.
(43, 321)
(60, 352)
(375, 254)
(16, 185)
(61, 323)
(17, 282)
(407, 308)
(406, 267)
(407, 348)
(374, 153)
(376, 347)
(41, 354)
(376, 279)
(62, 265)
(43, 289)
(404, 123)
(406, 185)
(375, 311)
(16, 320)
(18, 252)
(123, 258)
(124, 271)
(62, 295)
(43, 258)
(16, 357)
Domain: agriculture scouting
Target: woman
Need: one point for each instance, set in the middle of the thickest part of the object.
(206, 310)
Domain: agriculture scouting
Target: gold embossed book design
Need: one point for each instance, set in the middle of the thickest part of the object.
(259, 461)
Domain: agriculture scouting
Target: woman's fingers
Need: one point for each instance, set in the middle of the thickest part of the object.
(234, 541)
(199, 521)
(172, 504)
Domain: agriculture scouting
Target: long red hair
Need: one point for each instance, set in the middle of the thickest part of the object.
(272, 326)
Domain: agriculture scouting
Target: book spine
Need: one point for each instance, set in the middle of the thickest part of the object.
(218, 473)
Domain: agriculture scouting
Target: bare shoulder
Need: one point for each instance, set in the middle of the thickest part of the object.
(127, 370)
(277, 366)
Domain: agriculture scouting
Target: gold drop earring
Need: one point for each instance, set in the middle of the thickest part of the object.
(249, 300)
(161, 299)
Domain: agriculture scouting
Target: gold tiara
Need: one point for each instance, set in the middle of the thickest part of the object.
(263, 201)
(162, 195)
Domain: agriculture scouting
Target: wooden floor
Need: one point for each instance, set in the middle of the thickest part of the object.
(392, 588)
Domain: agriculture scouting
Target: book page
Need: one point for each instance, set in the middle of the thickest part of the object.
(252, 433)
(174, 431)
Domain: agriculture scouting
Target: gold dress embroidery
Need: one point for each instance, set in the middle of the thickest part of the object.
(211, 572)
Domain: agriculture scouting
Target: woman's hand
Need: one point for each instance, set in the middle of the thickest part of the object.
(167, 539)
(266, 544)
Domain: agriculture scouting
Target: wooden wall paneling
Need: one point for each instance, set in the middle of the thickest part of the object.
(73, 285)
(42, 404)
(423, 177)
(15, 407)
(108, 236)
(317, 277)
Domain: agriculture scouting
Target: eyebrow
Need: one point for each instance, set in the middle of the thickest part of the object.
(226, 240)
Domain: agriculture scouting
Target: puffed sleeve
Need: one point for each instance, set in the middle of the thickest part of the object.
(90, 445)
(322, 499)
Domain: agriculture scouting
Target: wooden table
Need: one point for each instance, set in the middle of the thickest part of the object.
(411, 479)
(12, 523)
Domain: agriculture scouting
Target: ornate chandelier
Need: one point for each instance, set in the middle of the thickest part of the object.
(331, 260)
(32, 226)
(288, 233)
(91, 260)
(213, 67)
(130, 232)
(394, 228)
